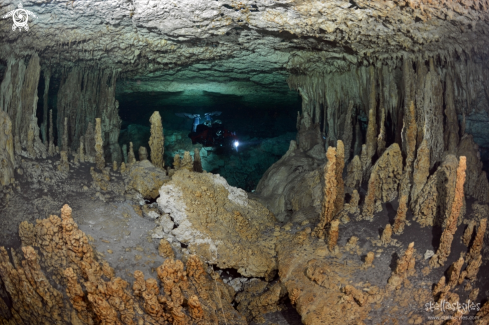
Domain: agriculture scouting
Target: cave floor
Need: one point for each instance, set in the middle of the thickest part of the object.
(121, 235)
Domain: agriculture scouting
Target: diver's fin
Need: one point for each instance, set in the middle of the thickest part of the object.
(216, 113)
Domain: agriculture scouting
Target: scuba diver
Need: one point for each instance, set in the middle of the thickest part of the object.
(196, 118)
(210, 133)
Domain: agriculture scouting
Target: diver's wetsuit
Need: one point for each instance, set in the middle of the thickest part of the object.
(213, 136)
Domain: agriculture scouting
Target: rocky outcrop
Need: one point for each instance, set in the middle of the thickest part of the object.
(219, 223)
(294, 182)
(144, 178)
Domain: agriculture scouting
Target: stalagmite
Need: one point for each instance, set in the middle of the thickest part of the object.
(467, 237)
(123, 167)
(99, 150)
(81, 150)
(329, 194)
(44, 124)
(143, 153)
(451, 225)
(65, 144)
(187, 162)
(30, 139)
(381, 137)
(371, 141)
(454, 272)
(421, 170)
(404, 268)
(472, 269)
(348, 131)
(369, 259)
(114, 166)
(197, 161)
(386, 234)
(124, 153)
(354, 174)
(333, 234)
(51, 149)
(157, 140)
(384, 180)
(131, 158)
(7, 160)
(476, 248)
(340, 185)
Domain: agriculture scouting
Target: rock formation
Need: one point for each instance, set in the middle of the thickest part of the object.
(144, 178)
(197, 161)
(404, 268)
(157, 140)
(354, 174)
(131, 158)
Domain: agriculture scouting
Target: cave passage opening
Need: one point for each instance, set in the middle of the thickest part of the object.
(264, 124)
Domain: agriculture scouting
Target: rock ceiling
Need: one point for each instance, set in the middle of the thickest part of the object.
(239, 43)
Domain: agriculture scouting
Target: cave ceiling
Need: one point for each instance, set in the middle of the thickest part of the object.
(240, 48)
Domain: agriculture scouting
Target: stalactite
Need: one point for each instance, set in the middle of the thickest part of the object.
(340, 185)
(7, 159)
(451, 226)
(157, 141)
(81, 151)
(354, 174)
(348, 131)
(99, 150)
(90, 142)
(451, 131)
(421, 170)
(51, 149)
(371, 141)
(65, 144)
(44, 125)
(381, 138)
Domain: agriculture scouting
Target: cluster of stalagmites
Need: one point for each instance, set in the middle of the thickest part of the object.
(180, 295)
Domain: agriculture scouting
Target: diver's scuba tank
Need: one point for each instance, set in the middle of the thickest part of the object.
(196, 122)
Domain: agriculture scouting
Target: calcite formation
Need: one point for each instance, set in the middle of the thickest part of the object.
(99, 150)
(421, 170)
(64, 165)
(452, 221)
(386, 235)
(384, 180)
(219, 223)
(157, 140)
(187, 162)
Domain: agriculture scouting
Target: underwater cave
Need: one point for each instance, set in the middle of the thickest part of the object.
(255, 162)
